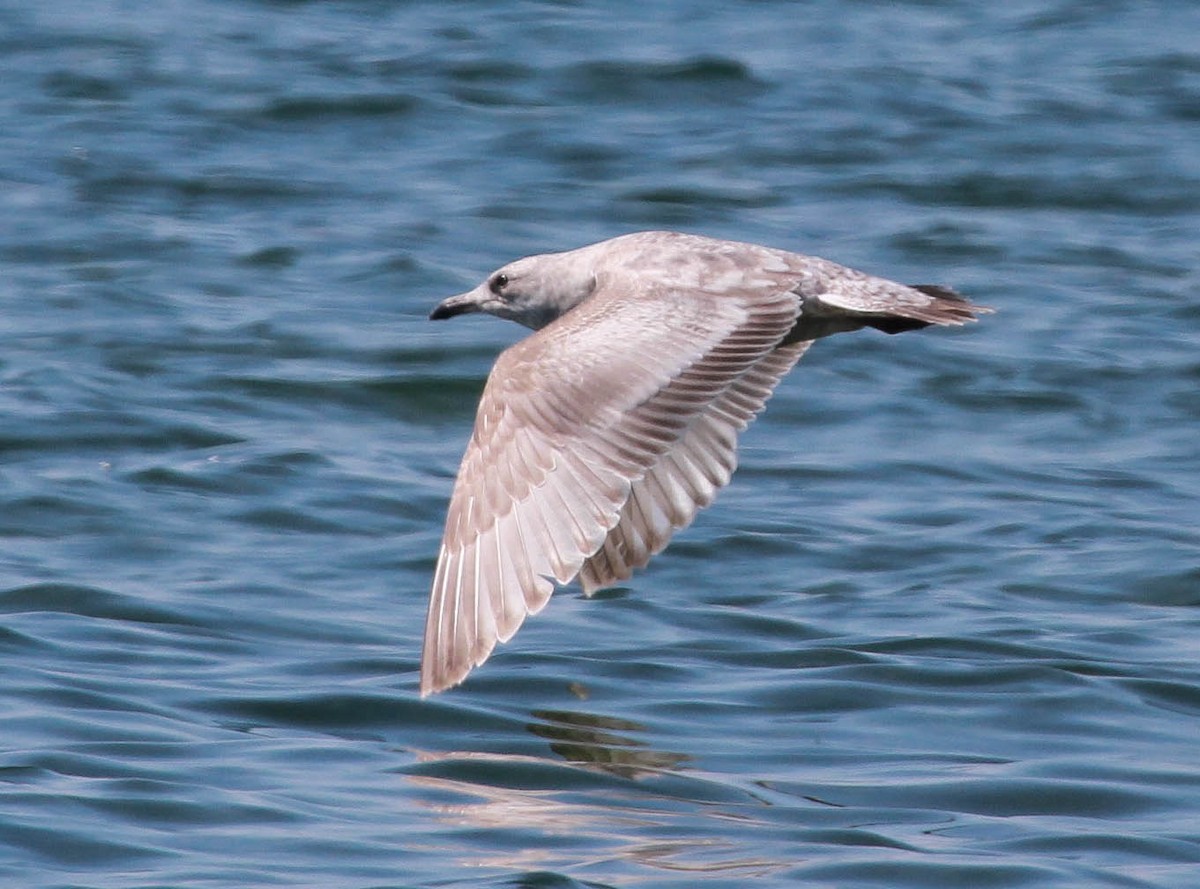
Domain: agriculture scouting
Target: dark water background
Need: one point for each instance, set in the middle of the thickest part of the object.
(941, 631)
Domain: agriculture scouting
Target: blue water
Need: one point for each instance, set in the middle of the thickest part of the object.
(940, 631)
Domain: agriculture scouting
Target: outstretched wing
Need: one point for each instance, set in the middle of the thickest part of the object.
(687, 476)
(602, 404)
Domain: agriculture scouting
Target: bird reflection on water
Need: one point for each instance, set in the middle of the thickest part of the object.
(588, 739)
(621, 793)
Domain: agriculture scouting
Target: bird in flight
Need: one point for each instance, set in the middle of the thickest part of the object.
(602, 433)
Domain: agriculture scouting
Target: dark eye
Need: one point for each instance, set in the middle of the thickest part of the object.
(498, 283)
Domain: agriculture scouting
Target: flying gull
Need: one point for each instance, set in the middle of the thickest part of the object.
(601, 434)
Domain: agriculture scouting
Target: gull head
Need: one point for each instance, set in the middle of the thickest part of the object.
(531, 291)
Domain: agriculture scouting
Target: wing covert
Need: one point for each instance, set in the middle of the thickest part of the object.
(573, 420)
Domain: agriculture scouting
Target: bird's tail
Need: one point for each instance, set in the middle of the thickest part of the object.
(945, 307)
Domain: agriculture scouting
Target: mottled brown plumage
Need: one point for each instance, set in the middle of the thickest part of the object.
(601, 434)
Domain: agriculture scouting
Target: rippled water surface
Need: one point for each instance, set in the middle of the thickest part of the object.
(941, 630)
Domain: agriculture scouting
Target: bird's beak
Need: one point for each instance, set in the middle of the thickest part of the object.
(461, 304)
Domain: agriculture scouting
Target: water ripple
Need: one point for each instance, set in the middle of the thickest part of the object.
(940, 630)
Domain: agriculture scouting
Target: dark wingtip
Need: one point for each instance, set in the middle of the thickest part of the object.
(952, 300)
(947, 307)
(896, 324)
